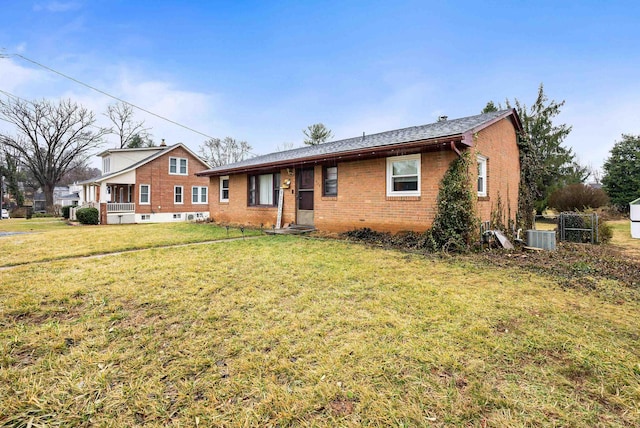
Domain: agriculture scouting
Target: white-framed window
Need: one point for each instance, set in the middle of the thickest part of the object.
(145, 194)
(145, 217)
(199, 194)
(264, 189)
(106, 164)
(178, 194)
(224, 188)
(178, 166)
(482, 176)
(403, 175)
(330, 181)
(177, 216)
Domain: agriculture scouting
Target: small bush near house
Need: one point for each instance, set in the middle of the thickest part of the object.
(65, 211)
(88, 215)
(20, 212)
(577, 197)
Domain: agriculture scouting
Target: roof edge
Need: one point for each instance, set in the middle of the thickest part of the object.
(344, 156)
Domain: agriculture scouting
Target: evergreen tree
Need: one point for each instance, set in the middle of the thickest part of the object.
(621, 178)
(555, 166)
(545, 164)
(316, 134)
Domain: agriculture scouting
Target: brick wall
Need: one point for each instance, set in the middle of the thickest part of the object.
(362, 201)
(498, 144)
(156, 174)
(237, 211)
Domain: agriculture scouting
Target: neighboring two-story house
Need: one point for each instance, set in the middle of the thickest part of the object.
(150, 184)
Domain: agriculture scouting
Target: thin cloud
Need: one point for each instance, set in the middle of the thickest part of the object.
(56, 6)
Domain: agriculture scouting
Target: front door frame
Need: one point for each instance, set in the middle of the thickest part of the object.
(305, 181)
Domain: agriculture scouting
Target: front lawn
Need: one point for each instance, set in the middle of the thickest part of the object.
(48, 239)
(284, 331)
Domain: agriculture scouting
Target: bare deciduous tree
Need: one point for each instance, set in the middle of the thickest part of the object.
(132, 134)
(80, 172)
(50, 138)
(217, 152)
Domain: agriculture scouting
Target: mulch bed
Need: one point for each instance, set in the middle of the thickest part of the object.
(572, 263)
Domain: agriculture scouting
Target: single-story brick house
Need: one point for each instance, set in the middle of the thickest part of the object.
(387, 181)
(149, 184)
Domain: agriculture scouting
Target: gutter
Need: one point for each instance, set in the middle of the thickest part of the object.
(369, 153)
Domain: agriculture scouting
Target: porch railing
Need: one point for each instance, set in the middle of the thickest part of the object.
(90, 205)
(121, 207)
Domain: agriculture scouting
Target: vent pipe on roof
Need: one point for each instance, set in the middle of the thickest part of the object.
(163, 144)
(362, 135)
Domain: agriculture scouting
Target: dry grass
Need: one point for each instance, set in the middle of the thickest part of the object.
(48, 239)
(33, 225)
(284, 331)
(622, 238)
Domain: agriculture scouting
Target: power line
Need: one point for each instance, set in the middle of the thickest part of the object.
(10, 95)
(109, 95)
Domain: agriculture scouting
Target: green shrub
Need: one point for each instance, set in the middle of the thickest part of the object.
(456, 225)
(578, 197)
(88, 215)
(605, 232)
(65, 211)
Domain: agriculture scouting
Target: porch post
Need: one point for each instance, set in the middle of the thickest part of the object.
(104, 196)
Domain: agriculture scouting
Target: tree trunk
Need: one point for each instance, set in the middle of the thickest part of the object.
(48, 198)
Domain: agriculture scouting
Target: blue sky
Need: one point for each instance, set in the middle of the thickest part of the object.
(263, 71)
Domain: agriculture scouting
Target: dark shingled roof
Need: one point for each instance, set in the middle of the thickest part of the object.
(441, 129)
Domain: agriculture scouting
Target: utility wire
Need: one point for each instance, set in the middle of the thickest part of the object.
(10, 95)
(109, 95)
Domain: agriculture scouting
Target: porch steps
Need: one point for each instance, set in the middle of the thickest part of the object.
(294, 229)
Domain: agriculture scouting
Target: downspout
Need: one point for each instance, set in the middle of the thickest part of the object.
(455, 149)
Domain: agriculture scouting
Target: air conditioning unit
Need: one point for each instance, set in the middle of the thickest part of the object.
(544, 239)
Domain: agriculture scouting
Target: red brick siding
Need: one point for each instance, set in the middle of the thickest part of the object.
(237, 211)
(362, 198)
(499, 145)
(156, 174)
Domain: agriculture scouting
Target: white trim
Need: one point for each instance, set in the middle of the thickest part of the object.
(482, 175)
(181, 195)
(198, 196)
(390, 176)
(168, 217)
(148, 194)
(222, 199)
(106, 165)
(178, 163)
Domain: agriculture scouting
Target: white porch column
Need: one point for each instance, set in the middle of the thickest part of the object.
(104, 196)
